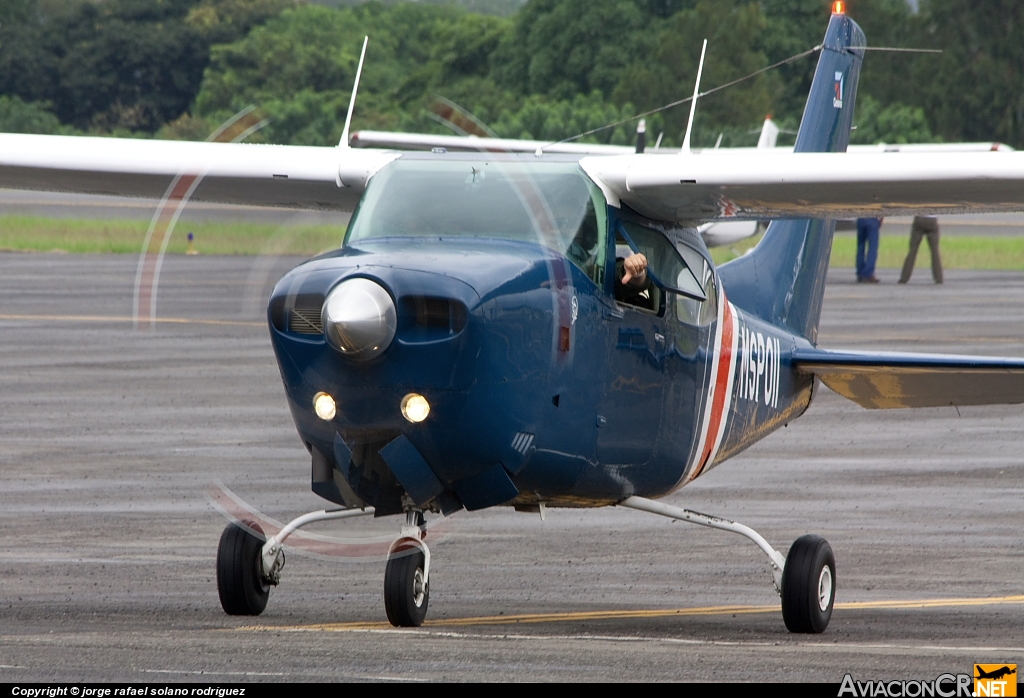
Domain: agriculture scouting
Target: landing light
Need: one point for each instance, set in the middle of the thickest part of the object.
(415, 408)
(839, 7)
(323, 405)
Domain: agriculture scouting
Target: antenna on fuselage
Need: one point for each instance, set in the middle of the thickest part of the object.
(352, 100)
(693, 102)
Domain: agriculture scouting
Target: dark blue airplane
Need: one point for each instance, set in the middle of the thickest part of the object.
(465, 349)
(471, 345)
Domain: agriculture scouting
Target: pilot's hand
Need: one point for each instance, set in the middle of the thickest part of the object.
(634, 267)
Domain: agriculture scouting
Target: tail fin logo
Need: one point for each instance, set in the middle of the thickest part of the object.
(837, 101)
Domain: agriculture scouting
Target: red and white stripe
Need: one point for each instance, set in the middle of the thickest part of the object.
(719, 399)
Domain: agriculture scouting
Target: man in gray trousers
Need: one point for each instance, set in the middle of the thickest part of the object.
(923, 226)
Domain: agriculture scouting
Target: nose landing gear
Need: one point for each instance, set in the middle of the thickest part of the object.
(247, 566)
(243, 588)
(406, 578)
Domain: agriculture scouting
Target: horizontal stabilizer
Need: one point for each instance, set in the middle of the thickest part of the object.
(886, 380)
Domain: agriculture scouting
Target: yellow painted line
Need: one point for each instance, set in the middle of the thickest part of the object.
(935, 603)
(528, 618)
(126, 318)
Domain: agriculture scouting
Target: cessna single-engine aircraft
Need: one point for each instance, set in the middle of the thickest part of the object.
(470, 344)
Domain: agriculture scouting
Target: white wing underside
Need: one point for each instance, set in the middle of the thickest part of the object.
(237, 173)
(713, 186)
(764, 185)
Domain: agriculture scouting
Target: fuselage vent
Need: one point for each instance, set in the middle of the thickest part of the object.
(306, 320)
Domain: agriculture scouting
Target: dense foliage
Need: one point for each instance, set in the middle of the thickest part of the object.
(554, 68)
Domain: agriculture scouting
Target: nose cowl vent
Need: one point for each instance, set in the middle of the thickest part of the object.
(522, 442)
(298, 314)
(429, 318)
(306, 321)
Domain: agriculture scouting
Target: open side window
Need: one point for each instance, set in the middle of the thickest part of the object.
(647, 296)
(665, 265)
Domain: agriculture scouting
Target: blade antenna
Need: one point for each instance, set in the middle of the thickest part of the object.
(352, 100)
(693, 103)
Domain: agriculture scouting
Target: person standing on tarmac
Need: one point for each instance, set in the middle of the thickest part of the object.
(923, 226)
(867, 249)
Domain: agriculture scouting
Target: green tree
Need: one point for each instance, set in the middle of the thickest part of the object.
(561, 48)
(224, 21)
(668, 73)
(973, 91)
(300, 67)
(892, 123)
(18, 116)
(131, 64)
(117, 65)
(542, 119)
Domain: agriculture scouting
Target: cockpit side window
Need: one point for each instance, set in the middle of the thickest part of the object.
(700, 313)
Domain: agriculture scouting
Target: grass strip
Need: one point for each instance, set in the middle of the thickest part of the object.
(958, 252)
(32, 233)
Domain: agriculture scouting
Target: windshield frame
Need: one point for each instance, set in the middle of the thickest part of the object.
(549, 201)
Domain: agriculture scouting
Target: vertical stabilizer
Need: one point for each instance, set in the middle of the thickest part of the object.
(783, 279)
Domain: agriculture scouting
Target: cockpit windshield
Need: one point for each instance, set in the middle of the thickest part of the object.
(550, 203)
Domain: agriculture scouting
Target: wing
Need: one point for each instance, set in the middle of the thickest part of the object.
(764, 184)
(976, 147)
(884, 380)
(237, 173)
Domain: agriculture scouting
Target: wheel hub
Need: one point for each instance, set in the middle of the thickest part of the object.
(419, 590)
(825, 588)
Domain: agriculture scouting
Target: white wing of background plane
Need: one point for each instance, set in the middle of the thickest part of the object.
(429, 141)
(237, 173)
(765, 184)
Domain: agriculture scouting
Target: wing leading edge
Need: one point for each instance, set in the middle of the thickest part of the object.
(887, 380)
(237, 173)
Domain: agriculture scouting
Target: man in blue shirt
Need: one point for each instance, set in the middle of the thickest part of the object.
(867, 236)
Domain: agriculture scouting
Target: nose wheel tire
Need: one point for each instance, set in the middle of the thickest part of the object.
(808, 585)
(405, 593)
(239, 580)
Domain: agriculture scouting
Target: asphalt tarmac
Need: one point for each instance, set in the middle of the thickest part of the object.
(112, 439)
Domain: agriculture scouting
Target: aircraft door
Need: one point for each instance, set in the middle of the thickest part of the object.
(632, 409)
(629, 420)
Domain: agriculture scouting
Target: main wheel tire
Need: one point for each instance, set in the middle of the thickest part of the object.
(239, 580)
(809, 585)
(405, 594)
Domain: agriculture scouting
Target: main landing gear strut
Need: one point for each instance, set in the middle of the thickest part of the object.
(805, 579)
(248, 564)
